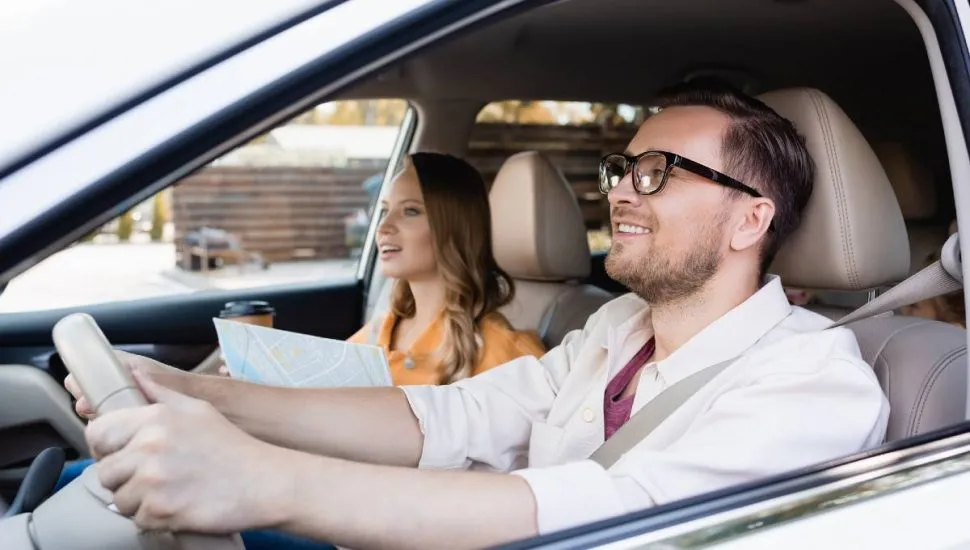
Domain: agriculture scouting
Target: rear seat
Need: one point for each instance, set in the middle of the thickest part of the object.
(916, 192)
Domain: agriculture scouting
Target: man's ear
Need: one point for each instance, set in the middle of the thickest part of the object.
(755, 219)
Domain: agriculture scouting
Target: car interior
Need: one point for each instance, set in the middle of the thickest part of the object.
(854, 77)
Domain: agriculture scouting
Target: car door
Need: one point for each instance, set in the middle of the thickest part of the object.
(896, 496)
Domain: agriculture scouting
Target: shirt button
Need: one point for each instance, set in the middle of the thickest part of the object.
(588, 414)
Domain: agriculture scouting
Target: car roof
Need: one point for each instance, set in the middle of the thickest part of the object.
(868, 55)
(75, 61)
(625, 50)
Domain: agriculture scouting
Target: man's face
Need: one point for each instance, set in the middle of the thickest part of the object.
(666, 246)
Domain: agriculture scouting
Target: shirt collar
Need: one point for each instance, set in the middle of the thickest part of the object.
(726, 338)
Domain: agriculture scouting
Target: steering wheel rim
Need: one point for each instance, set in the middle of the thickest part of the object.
(108, 385)
(88, 356)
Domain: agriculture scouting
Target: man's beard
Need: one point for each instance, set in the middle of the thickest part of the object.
(661, 279)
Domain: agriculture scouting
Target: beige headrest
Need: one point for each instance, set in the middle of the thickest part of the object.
(912, 181)
(852, 235)
(537, 227)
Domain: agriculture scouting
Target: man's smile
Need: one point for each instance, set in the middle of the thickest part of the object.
(630, 229)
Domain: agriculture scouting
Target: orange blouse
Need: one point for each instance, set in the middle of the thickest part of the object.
(501, 344)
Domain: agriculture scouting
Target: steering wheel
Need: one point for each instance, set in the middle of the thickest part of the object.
(81, 516)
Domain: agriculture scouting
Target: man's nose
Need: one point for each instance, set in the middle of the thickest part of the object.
(624, 193)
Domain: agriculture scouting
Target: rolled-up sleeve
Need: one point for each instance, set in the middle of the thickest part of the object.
(485, 422)
(577, 493)
(776, 424)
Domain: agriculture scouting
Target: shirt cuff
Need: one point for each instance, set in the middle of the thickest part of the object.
(435, 451)
(572, 494)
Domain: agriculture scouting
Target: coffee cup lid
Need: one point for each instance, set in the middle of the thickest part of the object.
(247, 307)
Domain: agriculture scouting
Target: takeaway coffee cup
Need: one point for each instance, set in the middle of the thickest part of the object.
(254, 312)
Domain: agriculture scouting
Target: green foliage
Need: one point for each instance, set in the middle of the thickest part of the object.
(125, 226)
(160, 216)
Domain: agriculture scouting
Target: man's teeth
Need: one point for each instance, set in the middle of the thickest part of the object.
(635, 229)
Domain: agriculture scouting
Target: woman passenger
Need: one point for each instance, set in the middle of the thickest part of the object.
(434, 238)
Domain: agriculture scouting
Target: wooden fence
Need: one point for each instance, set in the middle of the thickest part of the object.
(292, 213)
(283, 213)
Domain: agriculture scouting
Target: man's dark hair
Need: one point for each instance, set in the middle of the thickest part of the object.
(759, 148)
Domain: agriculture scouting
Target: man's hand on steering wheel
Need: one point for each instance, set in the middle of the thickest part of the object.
(179, 465)
(153, 369)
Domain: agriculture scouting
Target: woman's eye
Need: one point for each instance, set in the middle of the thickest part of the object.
(411, 212)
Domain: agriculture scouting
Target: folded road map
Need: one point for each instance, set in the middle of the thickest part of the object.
(280, 358)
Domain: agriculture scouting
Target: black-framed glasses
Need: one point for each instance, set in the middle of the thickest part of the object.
(651, 169)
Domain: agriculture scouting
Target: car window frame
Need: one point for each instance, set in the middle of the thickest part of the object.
(402, 146)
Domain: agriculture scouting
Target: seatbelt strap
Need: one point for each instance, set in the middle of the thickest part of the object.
(639, 426)
(929, 282)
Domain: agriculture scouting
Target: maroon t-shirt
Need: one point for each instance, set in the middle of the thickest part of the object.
(616, 411)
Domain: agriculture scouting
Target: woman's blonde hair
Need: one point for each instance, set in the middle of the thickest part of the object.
(456, 202)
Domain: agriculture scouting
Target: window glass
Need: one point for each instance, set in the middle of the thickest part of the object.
(573, 135)
(292, 205)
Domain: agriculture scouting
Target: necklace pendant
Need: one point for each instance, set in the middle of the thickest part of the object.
(408, 362)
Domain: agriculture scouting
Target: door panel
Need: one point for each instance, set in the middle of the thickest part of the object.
(35, 410)
(179, 329)
(35, 413)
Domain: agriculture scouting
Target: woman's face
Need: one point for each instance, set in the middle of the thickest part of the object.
(404, 239)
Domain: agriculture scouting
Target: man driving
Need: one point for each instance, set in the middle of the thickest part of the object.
(700, 202)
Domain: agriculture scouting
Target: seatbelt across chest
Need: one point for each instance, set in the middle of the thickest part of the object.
(934, 280)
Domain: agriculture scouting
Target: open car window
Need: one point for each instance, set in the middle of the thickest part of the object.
(291, 206)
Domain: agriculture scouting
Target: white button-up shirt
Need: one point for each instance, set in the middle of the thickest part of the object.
(796, 396)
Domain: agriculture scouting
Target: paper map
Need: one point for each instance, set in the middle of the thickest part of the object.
(281, 358)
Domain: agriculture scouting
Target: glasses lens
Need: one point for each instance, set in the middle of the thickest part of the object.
(650, 172)
(612, 170)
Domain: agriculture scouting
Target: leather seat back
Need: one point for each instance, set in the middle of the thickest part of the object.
(853, 238)
(539, 238)
(915, 191)
(921, 366)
